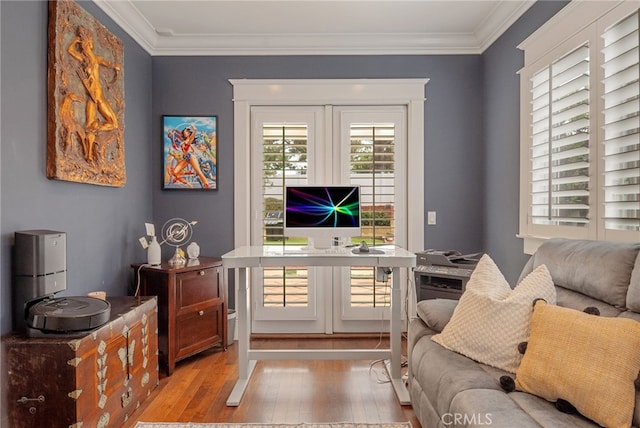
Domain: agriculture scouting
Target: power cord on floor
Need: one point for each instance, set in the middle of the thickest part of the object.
(383, 374)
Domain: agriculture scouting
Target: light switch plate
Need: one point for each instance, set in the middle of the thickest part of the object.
(431, 217)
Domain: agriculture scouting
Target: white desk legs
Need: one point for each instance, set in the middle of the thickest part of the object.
(245, 367)
(395, 338)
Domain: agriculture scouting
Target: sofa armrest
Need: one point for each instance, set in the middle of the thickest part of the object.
(436, 313)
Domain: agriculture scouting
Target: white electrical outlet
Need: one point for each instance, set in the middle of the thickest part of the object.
(431, 217)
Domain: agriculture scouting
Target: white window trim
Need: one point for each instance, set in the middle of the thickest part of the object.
(572, 19)
(260, 92)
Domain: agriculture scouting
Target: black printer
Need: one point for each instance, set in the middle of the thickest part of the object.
(443, 274)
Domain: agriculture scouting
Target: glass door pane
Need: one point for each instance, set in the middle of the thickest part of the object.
(372, 167)
(284, 162)
(372, 146)
(283, 141)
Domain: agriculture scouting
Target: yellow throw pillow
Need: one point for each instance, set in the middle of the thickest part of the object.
(587, 360)
(491, 319)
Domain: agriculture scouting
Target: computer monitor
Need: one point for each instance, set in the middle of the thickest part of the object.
(322, 213)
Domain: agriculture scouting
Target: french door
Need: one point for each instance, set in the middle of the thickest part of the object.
(286, 149)
(371, 151)
(360, 145)
(279, 144)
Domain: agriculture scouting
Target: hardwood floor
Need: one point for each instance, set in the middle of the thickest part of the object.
(279, 391)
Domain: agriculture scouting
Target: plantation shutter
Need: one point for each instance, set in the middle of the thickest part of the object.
(372, 167)
(621, 127)
(284, 162)
(560, 141)
(580, 125)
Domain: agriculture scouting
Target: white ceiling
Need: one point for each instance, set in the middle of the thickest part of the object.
(314, 27)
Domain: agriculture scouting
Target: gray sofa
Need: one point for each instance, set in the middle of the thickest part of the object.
(449, 389)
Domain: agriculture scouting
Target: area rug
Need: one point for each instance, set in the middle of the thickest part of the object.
(260, 425)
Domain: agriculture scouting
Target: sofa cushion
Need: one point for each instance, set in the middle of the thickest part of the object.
(436, 313)
(574, 300)
(589, 361)
(491, 319)
(442, 374)
(488, 408)
(595, 268)
(546, 414)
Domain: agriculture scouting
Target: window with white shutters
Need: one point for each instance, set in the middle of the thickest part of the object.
(621, 125)
(580, 162)
(560, 141)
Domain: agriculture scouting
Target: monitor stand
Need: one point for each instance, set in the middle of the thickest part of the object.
(320, 243)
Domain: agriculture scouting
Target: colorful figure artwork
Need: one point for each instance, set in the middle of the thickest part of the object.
(85, 99)
(190, 152)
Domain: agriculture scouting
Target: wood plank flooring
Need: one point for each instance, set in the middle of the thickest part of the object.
(279, 391)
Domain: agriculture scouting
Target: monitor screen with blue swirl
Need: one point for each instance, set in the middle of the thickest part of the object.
(322, 206)
(322, 211)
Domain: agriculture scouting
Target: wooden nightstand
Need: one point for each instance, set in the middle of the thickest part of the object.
(192, 307)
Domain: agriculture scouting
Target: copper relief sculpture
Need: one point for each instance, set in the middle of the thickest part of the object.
(85, 99)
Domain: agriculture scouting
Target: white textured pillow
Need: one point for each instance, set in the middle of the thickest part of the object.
(491, 319)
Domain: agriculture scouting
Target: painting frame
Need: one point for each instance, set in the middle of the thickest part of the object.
(190, 152)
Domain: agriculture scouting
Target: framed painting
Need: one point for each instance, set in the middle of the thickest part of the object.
(85, 99)
(190, 147)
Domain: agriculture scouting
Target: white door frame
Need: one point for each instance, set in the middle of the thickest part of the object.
(273, 92)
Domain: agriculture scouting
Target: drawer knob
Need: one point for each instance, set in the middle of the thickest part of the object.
(201, 273)
(201, 313)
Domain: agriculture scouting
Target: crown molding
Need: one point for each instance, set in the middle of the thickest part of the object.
(129, 18)
(160, 42)
(314, 44)
(502, 18)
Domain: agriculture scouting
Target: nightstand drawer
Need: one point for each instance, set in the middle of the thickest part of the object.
(196, 287)
(198, 329)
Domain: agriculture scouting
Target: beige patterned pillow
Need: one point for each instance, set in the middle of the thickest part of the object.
(491, 319)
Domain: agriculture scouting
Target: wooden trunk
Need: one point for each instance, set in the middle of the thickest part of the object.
(96, 380)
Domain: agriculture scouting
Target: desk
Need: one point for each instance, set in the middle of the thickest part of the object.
(244, 258)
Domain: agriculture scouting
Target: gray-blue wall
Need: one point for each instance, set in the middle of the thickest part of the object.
(501, 139)
(471, 147)
(453, 153)
(102, 223)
